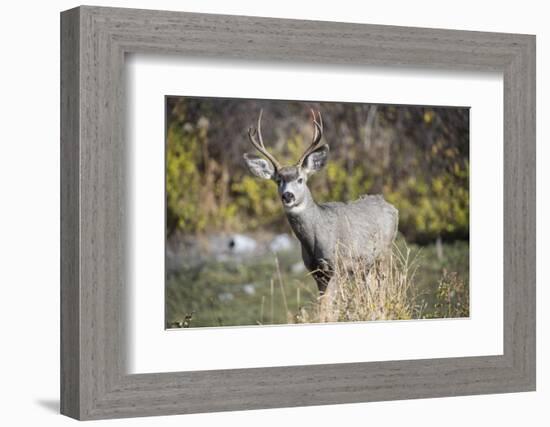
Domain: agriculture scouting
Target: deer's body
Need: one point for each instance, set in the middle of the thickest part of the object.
(364, 229)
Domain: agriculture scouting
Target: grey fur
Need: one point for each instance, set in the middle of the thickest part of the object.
(363, 229)
(259, 167)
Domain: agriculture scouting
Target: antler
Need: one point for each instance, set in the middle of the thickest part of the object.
(315, 141)
(259, 143)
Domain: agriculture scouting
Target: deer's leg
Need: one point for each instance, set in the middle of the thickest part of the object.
(322, 279)
(327, 293)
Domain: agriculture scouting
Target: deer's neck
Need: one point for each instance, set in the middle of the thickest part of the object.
(304, 220)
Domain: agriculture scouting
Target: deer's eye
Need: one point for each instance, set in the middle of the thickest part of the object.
(300, 180)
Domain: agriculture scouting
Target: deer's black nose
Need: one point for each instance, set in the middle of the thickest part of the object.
(288, 197)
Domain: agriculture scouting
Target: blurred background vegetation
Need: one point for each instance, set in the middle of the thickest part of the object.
(417, 157)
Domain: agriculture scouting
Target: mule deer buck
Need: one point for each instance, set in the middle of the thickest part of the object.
(366, 227)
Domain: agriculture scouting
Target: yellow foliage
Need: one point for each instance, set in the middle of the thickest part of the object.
(202, 194)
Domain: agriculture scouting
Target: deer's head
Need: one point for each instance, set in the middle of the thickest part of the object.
(291, 180)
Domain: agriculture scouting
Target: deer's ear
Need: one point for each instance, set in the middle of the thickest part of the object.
(316, 160)
(259, 167)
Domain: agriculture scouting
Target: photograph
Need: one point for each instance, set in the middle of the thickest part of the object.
(286, 212)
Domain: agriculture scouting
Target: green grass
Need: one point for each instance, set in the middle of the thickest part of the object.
(430, 292)
(214, 294)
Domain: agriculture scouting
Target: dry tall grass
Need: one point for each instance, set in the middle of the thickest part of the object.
(384, 291)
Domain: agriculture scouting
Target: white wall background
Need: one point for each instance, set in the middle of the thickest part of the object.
(29, 212)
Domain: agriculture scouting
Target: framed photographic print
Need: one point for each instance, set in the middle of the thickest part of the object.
(261, 213)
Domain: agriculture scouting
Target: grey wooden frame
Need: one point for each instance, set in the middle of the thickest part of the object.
(94, 41)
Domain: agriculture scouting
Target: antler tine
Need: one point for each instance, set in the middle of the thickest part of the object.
(317, 136)
(259, 143)
(260, 128)
(318, 125)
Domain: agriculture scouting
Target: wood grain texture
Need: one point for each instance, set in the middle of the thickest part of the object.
(70, 258)
(94, 242)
